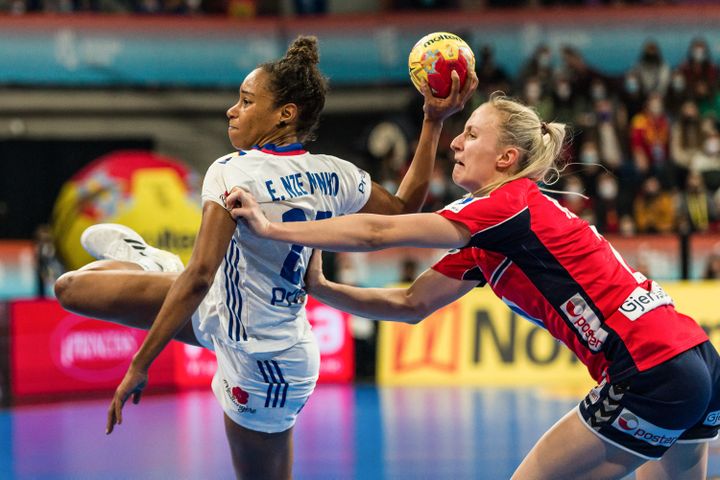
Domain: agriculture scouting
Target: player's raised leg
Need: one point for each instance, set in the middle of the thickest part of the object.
(127, 285)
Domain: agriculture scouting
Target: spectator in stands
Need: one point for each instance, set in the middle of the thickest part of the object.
(491, 76)
(588, 165)
(698, 68)
(652, 71)
(576, 69)
(678, 93)
(627, 228)
(650, 140)
(686, 139)
(577, 201)
(708, 100)
(609, 135)
(607, 209)
(707, 161)
(696, 210)
(569, 104)
(438, 190)
(712, 269)
(598, 90)
(611, 140)
(536, 96)
(539, 68)
(631, 96)
(654, 208)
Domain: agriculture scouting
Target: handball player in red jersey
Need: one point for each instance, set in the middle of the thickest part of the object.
(657, 400)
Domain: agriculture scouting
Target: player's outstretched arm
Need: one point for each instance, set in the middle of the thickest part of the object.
(185, 295)
(413, 188)
(352, 233)
(428, 293)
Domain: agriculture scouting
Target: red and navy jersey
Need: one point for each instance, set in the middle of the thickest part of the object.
(554, 269)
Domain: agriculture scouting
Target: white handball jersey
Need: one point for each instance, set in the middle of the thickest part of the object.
(257, 302)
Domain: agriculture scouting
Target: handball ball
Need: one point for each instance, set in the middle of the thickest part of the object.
(435, 56)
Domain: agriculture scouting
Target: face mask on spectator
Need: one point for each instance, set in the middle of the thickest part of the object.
(389, 185)
(598, 92)
(655, 108)
(573, 186)
(589, 157)
(632, 85)
(603, 116)
(544, 60)
(563, 91)
(712, 146)
(690, 120)
(437, 188)
(607, 190)
(532, 91)
(699, 54)
(678, 83)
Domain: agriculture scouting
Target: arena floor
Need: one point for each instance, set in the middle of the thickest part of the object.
(345, 432)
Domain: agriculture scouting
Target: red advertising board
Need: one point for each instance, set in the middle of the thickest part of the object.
(332, 331)
(56, 352)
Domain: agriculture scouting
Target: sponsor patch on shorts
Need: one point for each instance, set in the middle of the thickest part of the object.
(637, 427)
(712, 419)
(238, 397)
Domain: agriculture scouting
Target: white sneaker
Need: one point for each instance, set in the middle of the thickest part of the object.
(111, 241)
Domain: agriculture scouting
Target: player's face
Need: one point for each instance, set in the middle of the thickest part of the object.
(252, 120)
(476, 150)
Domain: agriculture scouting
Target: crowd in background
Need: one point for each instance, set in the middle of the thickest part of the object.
(644, 148)
(252, 8)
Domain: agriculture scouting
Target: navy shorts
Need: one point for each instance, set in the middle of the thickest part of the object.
(677, 401)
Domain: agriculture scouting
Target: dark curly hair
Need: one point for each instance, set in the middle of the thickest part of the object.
(295, 78)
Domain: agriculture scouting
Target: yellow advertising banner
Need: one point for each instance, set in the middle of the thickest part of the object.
(478, 340)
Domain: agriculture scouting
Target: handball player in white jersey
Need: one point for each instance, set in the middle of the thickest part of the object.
(245, 294)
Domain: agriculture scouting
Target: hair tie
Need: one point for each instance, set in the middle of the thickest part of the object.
(543, 128)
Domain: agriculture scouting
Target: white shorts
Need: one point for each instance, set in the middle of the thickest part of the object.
(265, 392)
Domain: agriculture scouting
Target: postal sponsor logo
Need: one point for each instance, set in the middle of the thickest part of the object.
(635, 426)
(588, 325)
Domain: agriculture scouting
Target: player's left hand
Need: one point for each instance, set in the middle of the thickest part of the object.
(132, 384)
(440, 109)
(242, 205)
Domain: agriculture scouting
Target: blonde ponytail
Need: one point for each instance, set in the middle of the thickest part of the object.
(539, 143)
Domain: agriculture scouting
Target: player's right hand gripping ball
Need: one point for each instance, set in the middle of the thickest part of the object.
(435, 56)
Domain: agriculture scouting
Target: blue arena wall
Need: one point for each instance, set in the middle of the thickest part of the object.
(203, 52)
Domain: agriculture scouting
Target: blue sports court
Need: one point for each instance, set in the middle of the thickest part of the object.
(345, 432)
